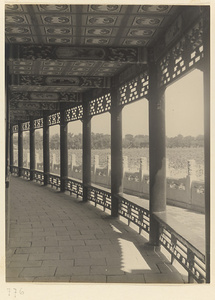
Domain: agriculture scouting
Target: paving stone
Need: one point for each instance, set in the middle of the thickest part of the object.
(166, 267)
(13, 272)
(89, 278)
(21, 234)
(30, 250)
(163, 278)
(83, 237)
(98, 242)
(62, 233)
(45, 243)
(20, 279)
(19, 257)
(72, 242)
(44, 256)
(44, 233)
(113, 261)
(52, 279)
(106, 254)
(23, 264)
(43, 272)
(87, 248)
(74, 255)
(58, 249)
(127, 278)
(73, 232)
(78, 270)
(106, 270)
(59, 263)
(90, 262)
(32, 238)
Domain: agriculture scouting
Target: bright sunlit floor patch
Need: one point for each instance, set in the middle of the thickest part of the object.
(131, 257)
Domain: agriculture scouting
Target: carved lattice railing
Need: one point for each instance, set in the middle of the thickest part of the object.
(181, 250)
(99, 197)
(38, 177)
(134, 213)
(74, 187)
(25, 173)
(54, 181)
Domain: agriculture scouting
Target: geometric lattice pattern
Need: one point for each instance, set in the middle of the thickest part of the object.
(15, 129)
(183, 56)
(25, 126)
(74, 113)
(54, 119)
(135, 214)
(38, 123)
(100, 105)
(135, 89)
(188, 256)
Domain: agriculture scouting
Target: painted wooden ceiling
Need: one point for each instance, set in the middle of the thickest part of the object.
(57, 52)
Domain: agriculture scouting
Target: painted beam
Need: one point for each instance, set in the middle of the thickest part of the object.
(45, 96)
(107, 54)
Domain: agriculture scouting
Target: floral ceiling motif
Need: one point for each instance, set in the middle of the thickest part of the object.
(83, 24)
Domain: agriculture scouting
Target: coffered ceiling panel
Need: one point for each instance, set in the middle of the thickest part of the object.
(111, 25)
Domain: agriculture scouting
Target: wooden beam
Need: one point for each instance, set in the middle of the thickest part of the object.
(45, 96)
(106, 54)
(69, 81)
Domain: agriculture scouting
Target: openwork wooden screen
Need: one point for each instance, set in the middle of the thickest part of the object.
(183, 56)
(134, 89)
(38, 123)
(100, 105)
(74, 113)
(15, 129)
(54, 119)
(25, 126)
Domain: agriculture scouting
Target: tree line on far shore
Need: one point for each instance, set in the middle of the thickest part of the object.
(103, 141)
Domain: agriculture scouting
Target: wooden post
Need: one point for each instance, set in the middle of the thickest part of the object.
(116, 153)
(46, 168)
(157, 152)
(86, 162)
(11, 147)
(20, 148)
(32, 149)
(63, 150)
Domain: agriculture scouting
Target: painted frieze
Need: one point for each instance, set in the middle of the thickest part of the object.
(42, 96)
(83, 81)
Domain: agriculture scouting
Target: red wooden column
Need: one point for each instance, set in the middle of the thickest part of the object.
(116, 152)
(206, 78)
(32, 149)
(157, 152)
(46, 168)
(86, 161)
(20, 148)
(63, 149)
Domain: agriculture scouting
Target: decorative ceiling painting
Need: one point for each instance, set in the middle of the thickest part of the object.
(55, 53)
(110, 25)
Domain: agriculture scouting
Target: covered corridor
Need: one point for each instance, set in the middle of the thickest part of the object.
(72, 62)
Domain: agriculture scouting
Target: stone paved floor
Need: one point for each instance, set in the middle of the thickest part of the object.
(56, 238)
